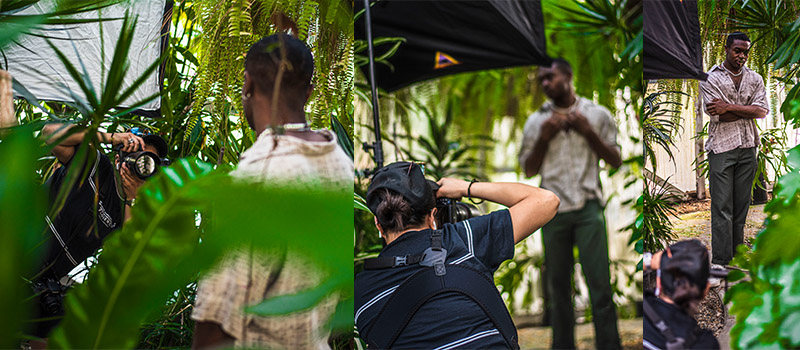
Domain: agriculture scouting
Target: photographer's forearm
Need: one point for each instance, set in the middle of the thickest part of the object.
(53, 132)
(530, 207)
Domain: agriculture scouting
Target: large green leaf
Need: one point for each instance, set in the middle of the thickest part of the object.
(22, 209)
(157, 252)
(136, 271)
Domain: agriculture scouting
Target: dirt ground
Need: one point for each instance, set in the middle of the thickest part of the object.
(694, 221)
(630, 333)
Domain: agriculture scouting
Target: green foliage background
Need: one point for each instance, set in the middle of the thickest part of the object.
(187, 216)
(450, 123)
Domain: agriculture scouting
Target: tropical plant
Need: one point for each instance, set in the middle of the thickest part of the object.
(660, 125)
(766, 305)
(657, 208)
(114, 294)
(443, 156)
(16, 20)
(229, 28)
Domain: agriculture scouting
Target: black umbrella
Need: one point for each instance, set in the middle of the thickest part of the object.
(448, 37)
(672, 48)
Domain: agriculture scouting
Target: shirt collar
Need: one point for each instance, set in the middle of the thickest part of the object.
(719, 68)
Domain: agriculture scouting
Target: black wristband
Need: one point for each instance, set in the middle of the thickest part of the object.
(469, 188)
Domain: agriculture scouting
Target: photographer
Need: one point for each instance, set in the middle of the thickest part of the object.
(403, 202)
(77, 230)
(681, 283)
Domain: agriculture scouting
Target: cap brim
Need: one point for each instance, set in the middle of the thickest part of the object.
(157, 142)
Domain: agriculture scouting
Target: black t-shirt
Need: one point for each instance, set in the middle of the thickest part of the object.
(74, 226)
(449, 320)
(680, 323)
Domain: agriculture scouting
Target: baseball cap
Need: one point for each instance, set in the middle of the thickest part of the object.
(688, 258)
(157, 142)
(406, 179)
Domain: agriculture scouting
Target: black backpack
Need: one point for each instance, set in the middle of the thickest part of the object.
(425, 284)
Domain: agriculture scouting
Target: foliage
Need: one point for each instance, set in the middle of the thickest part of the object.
(768, 304)
(771, 152)
(660, 124)
(159, 248)
(174, 329)
(13, 23)
(231, 26)
(442, 157)
(21, 209)
(657, 209)
(118, 293)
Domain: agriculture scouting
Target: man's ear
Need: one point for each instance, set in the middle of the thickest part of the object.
(248, 87)
(309, 92)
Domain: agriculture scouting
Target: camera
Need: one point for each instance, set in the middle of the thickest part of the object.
(51, 295)
(143, 163)
(450, 211)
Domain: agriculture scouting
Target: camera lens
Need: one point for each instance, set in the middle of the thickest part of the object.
(145, 165)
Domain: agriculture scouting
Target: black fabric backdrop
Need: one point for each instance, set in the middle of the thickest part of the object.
(453, 36)
(672, 48)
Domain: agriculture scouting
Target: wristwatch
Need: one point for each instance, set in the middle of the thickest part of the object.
(647, 257)
(130, 202)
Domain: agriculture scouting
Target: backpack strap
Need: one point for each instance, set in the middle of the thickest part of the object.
(420, 287)
(673, 343)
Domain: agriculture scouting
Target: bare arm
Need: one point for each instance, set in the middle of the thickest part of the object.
(65, 149)
(550, 128)
(730, 112)
(530, 207)
(534, 162)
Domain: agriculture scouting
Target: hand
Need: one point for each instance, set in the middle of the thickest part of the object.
(578, 122)
(553, 125)
(452, 188)
(717, 107)
(125, 140)
(130, 182)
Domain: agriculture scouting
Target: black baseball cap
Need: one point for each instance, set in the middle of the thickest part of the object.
(406, 179)
(157, 142)
(688, 258)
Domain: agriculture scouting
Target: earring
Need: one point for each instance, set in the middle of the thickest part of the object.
(247, 96)
(380, 234)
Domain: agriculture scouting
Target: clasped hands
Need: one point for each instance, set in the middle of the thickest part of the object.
(560, 121)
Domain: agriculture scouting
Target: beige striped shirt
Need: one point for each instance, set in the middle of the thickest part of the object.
(741, 133)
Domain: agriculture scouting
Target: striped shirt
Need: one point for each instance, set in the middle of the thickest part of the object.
(741, 133)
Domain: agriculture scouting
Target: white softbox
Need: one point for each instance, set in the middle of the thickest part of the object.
(34, 64)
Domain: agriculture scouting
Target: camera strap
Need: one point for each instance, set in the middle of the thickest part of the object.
(420, 287)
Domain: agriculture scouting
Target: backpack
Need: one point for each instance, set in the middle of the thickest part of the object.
(429, 282)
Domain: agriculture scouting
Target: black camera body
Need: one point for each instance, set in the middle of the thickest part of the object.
(51, 295)
(450, 211)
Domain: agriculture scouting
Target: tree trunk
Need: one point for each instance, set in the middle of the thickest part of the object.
(7, 118)
(699, 153)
